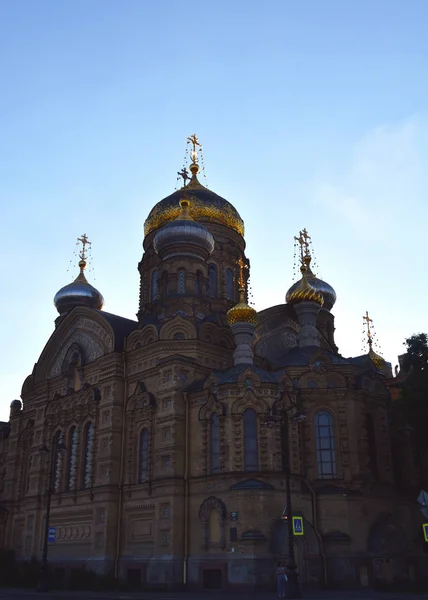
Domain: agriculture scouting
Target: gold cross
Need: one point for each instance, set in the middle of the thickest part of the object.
(192, 139)
(303, 241)
(85, 242)
(368, 320)
(242, 266)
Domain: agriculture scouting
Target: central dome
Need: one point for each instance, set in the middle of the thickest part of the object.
(205, 206)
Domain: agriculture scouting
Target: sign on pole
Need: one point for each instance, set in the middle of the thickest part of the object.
(298, 526)
(423, 503)
(425, 530)
(52, 535)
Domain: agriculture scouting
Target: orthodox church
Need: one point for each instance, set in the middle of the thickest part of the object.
(178, 446)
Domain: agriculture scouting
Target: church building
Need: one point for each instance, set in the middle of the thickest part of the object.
(168, 441)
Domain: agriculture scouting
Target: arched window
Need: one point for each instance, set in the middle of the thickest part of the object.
(212, 280)
(181, 288)
(229, 284)
(144, 456)
(88, 455)
(214, 527)
(371, 441)
(251, 459)
(198, 283)
(326, 447)
(154, 289)
(73, 436)
(215, 443)
(57, 474)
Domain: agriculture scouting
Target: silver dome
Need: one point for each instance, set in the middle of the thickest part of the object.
(182, 233)
(326, 290)
(78, 293)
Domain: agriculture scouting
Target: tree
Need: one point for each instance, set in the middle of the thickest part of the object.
(412, 407)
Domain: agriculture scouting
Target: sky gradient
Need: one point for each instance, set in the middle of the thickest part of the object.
(311, 114)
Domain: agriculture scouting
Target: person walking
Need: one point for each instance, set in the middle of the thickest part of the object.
(281, 580)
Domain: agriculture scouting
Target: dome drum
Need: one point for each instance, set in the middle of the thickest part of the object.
(183, 238)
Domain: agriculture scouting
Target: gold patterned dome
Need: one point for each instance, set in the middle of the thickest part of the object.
(378, 361)
(242, 313)
(205, 205)
(303, 291)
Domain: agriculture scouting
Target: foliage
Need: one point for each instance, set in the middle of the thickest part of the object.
(412, 407)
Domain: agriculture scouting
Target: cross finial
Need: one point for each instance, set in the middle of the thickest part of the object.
(242, 267)
(303, 240)
(192, 139)
(184, 174)
(85, 242)
(368, 322)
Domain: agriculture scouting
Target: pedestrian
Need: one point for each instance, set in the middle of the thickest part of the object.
(281, 580)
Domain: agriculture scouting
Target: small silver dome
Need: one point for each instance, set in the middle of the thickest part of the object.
(16, 404)
(181, 233)
(78, 293)
(319, 285)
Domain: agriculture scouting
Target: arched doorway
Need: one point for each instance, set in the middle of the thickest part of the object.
(387, 546)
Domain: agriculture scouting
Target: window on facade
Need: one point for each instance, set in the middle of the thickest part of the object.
(212, 280)
(229, 284)
(144, 456)
(251, 462)
(325, 444)
(181, 288)
(198, 283)
(155, 288)
(71, 458)
(215, 443)
(371, 441)
(88, 455)
(166, 461)
(57, 463)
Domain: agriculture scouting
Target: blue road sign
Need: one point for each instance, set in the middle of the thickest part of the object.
(425, 530)
(298, 526)
(52, 535)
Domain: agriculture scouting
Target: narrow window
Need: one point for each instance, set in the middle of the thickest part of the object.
(72, 458)
(214, 527)
(154, 289)
(229, 284)
(326, 448)
(88, 455)
(181, 288)
(215, 443)
(57, 462)
(198, 283)
(251, 459)
(371, 441)
(212, 280)
(144, 456)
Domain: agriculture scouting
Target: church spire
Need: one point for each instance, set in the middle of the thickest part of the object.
(377, 360)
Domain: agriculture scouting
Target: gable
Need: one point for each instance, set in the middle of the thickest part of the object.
(83, 334)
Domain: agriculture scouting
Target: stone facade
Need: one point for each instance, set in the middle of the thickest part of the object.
(171, 476)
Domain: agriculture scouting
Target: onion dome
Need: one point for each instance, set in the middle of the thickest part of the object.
(78, 293)
(184, 236)
(242, 312)
(310, 282)
(303, 291)
(378, 361)
(205, 207)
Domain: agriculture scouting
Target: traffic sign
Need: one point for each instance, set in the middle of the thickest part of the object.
(52, 535)
(423, 503)
(425, 530)
(298, 526)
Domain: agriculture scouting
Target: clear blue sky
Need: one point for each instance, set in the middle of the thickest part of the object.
(312, 114)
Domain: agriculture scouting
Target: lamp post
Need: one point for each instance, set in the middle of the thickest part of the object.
(298, 416)
(57, 447)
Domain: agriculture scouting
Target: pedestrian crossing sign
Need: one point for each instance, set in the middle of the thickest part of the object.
(425, 530)
(298, 526)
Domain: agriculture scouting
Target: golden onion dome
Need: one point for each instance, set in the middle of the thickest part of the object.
(324, 288)
(205, 207)
(241, 312)
(378, 361)
(303, 291)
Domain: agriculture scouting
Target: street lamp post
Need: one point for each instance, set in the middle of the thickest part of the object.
(298, 416)
(57, 447)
